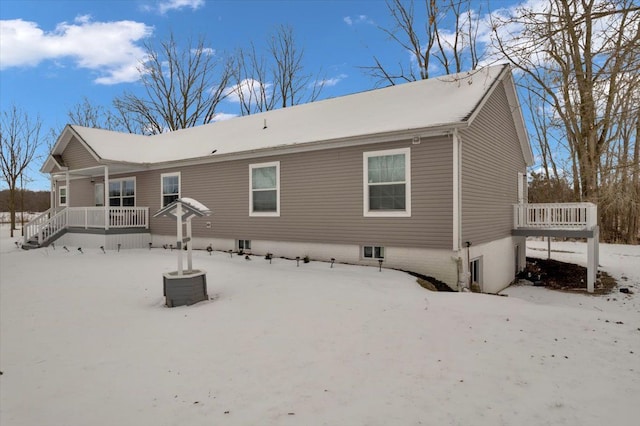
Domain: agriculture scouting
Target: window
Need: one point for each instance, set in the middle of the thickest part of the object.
(244, 245)
(387, 183)
(373, 252)
(264, 182)
(62, 196)
(170, 187)
(122, 192)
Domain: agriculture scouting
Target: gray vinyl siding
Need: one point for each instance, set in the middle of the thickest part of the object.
(491, 160)
(321, 196)
(81, 193)
(76, 156)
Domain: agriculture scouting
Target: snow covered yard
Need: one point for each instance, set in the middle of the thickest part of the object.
(86, 340)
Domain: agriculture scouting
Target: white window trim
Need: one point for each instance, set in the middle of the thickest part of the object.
(135, 189)
(66, 196)
(365, 183)
(259, 166)
(162, 194)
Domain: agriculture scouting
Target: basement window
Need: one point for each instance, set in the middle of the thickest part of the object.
(373, 252)
(244, 245)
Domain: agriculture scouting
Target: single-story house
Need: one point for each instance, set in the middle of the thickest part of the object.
(423, 176)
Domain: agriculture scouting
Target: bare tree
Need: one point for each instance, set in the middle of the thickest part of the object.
(430, 40)
(19, 140)
(181, 88)
(292, 84)
(88, 114)
(251, 82)
(578, 56)
(276, 78)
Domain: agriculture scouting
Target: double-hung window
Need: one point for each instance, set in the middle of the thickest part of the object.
(387, 183)
(264, 188)
(62, 196)
(122, 192)
(170, 187)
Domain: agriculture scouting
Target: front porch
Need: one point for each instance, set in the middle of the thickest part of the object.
(102, 221)
(566, 220)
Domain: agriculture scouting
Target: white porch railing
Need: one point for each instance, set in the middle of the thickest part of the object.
(113, 217)
(45, 225)
(51, 222)
(555, 216)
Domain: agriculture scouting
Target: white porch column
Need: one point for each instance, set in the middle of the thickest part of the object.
(106, 197)
(68, 190)
(52, 195)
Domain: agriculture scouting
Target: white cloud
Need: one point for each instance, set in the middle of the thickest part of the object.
(222, 116)
(168, 5)
(249, 88)
(360, 19)
(330, 82)
(108, 48)
(205, 50)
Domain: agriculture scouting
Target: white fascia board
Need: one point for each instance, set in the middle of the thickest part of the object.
(61, 143)
(310, 146)
(518, 119)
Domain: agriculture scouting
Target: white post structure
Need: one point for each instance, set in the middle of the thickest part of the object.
(188, 239)
(593, 259)
(179, 237)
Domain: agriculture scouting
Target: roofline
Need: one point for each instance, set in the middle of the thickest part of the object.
(487, 94)
(506, 79)
(441, 130)
(518, 120)
(62, 142)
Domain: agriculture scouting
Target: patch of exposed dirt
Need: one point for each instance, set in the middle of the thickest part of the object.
(564, 276)
(430, 283)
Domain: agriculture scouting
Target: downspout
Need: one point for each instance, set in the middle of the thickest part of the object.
(457, 210)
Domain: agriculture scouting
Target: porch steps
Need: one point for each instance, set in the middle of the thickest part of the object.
(33, 242)
(30, 245)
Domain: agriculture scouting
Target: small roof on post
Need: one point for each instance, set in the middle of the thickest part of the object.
(190, 209)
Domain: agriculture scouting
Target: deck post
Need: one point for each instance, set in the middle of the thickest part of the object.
(548, 247)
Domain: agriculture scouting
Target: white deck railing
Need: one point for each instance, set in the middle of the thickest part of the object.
(113, 217)
(555, 216)
(50, 222)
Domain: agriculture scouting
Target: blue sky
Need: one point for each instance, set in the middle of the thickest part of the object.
(55, 53)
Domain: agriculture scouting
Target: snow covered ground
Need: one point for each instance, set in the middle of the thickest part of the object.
(86, 340)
